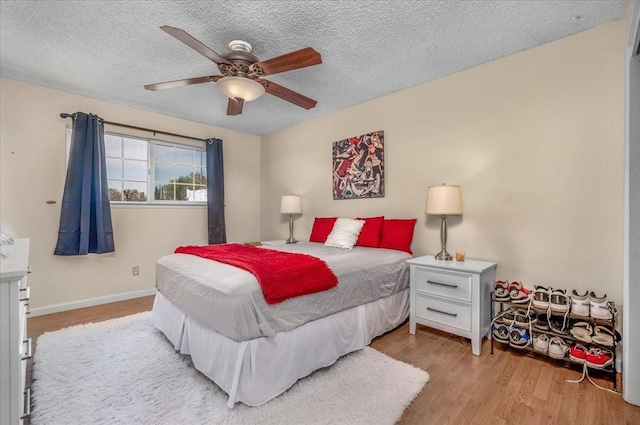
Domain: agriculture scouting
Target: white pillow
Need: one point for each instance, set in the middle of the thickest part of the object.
(345, 233)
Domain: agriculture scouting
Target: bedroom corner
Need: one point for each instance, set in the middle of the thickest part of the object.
(33, 163)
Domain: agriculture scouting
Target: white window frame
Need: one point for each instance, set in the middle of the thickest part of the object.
(152, 145)
(151, 201)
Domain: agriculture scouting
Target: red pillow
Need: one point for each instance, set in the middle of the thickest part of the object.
(321, 229)
(371, 232)
(397, 234)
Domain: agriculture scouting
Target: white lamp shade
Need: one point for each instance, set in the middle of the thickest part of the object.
(240, 87)
(291, 204)
(444, 200)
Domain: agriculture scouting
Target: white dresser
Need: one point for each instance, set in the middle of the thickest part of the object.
(453, 296)
(15, 347)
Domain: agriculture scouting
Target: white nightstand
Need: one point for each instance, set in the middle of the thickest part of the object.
(277, 242)
(452, 296)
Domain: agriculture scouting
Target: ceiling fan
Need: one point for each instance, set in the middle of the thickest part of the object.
(242, 72)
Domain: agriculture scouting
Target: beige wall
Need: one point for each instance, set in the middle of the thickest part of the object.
(32, 153)
(534, 139)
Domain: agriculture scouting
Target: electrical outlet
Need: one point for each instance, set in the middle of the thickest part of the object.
(135, 270)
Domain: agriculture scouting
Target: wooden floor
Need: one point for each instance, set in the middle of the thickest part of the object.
(508, 387)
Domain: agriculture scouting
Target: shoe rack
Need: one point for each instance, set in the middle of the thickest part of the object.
(498, 307)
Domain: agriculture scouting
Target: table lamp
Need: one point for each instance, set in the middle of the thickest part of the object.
(443, 201)
(291, 204)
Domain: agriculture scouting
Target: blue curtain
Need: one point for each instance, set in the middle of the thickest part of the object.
(215, 192)
(85, 220)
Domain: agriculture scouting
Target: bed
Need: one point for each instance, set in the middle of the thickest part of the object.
(254, 351)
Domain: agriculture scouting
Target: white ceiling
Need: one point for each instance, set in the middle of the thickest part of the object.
(109, 49)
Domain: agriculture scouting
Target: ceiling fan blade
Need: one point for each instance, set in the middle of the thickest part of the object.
(234, 107)
(182, 83)
(194, 44)
(294, 60)
(289, 95)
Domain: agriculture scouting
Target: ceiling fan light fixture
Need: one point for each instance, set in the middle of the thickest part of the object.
(240, 87)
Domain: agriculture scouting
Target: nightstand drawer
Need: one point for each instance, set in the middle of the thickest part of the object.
(444, 284)
(444, 312)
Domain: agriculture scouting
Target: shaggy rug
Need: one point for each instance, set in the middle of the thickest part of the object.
(124, 371)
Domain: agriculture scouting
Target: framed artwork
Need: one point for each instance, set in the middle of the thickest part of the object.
(358, 167)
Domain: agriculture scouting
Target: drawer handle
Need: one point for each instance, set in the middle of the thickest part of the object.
(27, 355)
(27, 309)
(27, 404)
(442, 312)
(442, 284)
(26, 296)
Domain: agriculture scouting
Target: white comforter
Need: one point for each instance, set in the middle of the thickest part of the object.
(229, 299)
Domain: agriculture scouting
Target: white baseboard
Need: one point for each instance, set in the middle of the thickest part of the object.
(57, 308)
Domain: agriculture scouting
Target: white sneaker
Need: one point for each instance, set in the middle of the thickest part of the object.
(541, 343)
(557, 348)
(603, 336)
(582, 331)
(580, 304)
(540, 297)
(558, 301)
(600, 307)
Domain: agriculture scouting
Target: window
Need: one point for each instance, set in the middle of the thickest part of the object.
(127, 168)
(179, 173)
(153, 172)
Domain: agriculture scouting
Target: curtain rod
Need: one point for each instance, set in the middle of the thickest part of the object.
(66, 115)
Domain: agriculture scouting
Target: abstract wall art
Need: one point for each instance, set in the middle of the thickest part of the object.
(358, 167)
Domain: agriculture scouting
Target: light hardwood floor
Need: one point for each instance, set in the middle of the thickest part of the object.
(505, 388)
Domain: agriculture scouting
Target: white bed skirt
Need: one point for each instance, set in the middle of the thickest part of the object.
(257, 370)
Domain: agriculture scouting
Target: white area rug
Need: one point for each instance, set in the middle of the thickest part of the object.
(124, 371)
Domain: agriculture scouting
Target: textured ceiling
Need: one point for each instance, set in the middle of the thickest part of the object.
(109, 49)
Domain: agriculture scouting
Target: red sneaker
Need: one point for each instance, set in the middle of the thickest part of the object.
(578, 353)
(598, 358)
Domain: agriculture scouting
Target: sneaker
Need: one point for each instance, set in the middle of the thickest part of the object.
(600, 307)
(558, 326)
(500, 332)
(557, 348)
(603, 336)
(580, 304)
(578, 353)
(541, 343)
(582, 331)
(558, 301)
(501, 290)
(518, 293)
(519, 338)
(507, 317)
(540, 297)
(524, 318)
(543, 322)
(598, 358)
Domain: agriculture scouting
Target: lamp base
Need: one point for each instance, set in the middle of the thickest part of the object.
(291, 238)
(444, 256)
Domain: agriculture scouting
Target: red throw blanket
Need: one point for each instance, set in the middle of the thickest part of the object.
(281, 275)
